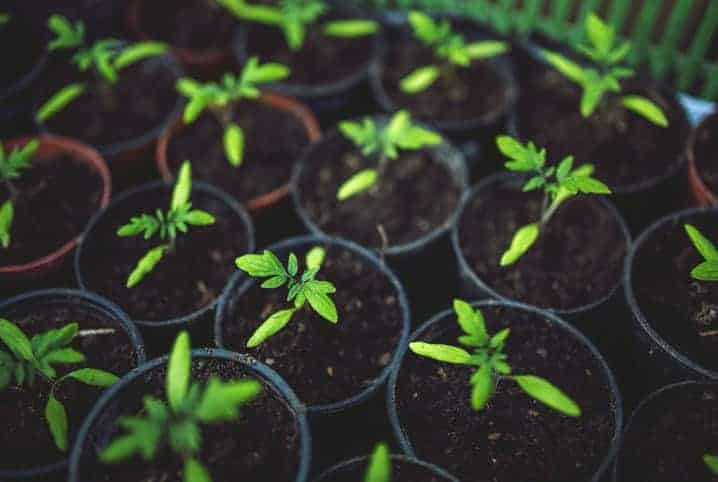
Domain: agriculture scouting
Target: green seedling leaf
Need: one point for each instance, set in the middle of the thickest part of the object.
(646, 109)
(64, 356)
(7, 212)
(379, 469)
(15, 340)
(319, 300)
(419, 80)
(706, 271)
(67, 35)
(486, 49)
(178, 371)
(221, 400)
(261, 265)
(570, 69)
(255, 13)
(600, 34)
(145, 265)
(195, 472)
(315, 258)
(523, 239)
(711, 462)
(234, 144)
(482, 387)
(358, 183)
(424, 27)
(183, 186)
(56, 418)
(137, 52)
(59, 101)
(270, 327)
(350, 28)
(94, 377)
(7, 367)
(442, 353)
(703, 245)
(546, 393)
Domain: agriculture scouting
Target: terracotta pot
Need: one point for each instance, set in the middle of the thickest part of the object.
(277, 101)
(701, 193)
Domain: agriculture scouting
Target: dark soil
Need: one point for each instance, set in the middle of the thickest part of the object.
(263, 445)
(668, 437)
(401, 471)
(192, 24)
(514, 438)
(25, 440)
(415, 196)
(464, 94)
(683, 311)
(706, 152)
(323, 362)
(184, 281)
(625, 148)
(24, 46)
(57, 196)
(577, 259)
(274, 140)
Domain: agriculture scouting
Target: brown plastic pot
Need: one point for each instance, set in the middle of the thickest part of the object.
(51, 146)
(272, 99)
(701, 193)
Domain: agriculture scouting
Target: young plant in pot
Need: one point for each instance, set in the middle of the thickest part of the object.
(487, 411)
(631, 130)
(701, 154)
(49, 189)
(180, 418)
(176, 279)
(58, 350)
(226, 125)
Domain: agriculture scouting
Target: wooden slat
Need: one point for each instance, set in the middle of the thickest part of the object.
(699, 47)
(618, 13)
(641, 36)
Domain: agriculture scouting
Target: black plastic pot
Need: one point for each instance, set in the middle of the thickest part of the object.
(91, 303)
(359, 464)
(99, 423)
(616, 405)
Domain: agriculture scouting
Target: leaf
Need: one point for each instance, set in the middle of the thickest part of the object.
(7, 212)
(511, 148)
(194, 471)
(188, 87)
(255, 13)
(7, 366)
(145, 265)
(379, 469)
(498, 340)
(194, 108)
(534, 183)
(315, 257)
(599, 33)
(292, 264)
(358, 183)
(321, 302)
(183, 186)
(442, 353)
(589, 185)
(523, 239)
(570, 69)
(66, 36)
(704, 246)
(618, 54)
(178, 371)
(59, 101)
(16, 340)
(270, 327)
(423, 26)
(94, 377)
(486, 49)
(546, 393)
(711, 462)
(564, 168)
(350, 28)
(590, 98)
(472, 322)
(482, 387)
(234, 144)
(419, 80)
(221, 401)
(266, 73)
(415, 137)
(56, 418)
(184, 435)
(646, 109)
(260, 265)
(137, 52)
(197, 217)
(64, 356)
(119, 449)
(706, 271)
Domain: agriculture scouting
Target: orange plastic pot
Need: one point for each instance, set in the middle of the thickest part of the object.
(701, 192)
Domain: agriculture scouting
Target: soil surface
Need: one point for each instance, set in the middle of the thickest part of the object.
(274, 141)
(263, 445)
(25, 440)
(415, 196)
(27, 49)
(668, 438)
(706, 153)
(515, 437)
(625, 148)
(577, 259)
(401, 471)
(682, 310)
(323, 362)
(56, 197)
(186, 280)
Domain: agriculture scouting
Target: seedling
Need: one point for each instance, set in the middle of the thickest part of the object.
(167, 225)
(30, 359)
(11, 167)
(708, 269)
(105, 59)
(177, 421)
(221, 98)
(601, 84)
(711, 462)
(557, 183)
(451, 51)
(379, 469)
(381, 145)
(491, 362)
(294, 17)
(300, 288)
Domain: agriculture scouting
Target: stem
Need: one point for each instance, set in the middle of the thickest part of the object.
(14, 192)
(223, 114)
(547, 214)
(96, 331)
(383, 164)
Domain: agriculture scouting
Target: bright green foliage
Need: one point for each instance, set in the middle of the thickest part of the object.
(4, 18)
(711, 462)
(596, 83)
(450, 49)
(106, 58)
(31, 358)
(557, 183)
(487, 354)
(11, 167)
(399, 133)
(708, 269)
(300, 288)
(294, 17)
(176, 423)
(220, 99)
(167, 225)
(379, 469)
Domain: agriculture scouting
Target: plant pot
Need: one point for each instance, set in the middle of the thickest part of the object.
(404, 469)
(667, 304)
(29, 452)
(204, 51)
(668, 434)
(66, 193)
(184, 287)
(700, 152)
(430, 411)
(268, 424)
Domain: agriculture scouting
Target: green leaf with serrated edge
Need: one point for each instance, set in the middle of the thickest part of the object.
(534, 183)
(511, 148)
(59, 101)
(711, 462)
(7, 212)
(499, 338)
(221, 400)
(94, 377)
(706, 271)
(270, 327)
(64, 356)
(358, 183)
(145, 265)
(564, 167)
(194, 471)
(7, 366)
(379, 469)
(704, 246)
(590, 185)
(646, 109)
(256, 73)
(321, 303)
(315, 257)
(419, 80)
(486, 49)
(137, 52)
(350, 28)
(548, 394)
(234, 144)
(260, 265)
(183, 186)
(599, 33)
(570, 69)
(178, 371)
(415, 137)
(16, 340)
(482, 387)
(471, 321)
(523, 239)
(67, 36)
(56, 418)
(198, 217)
(442, 353)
